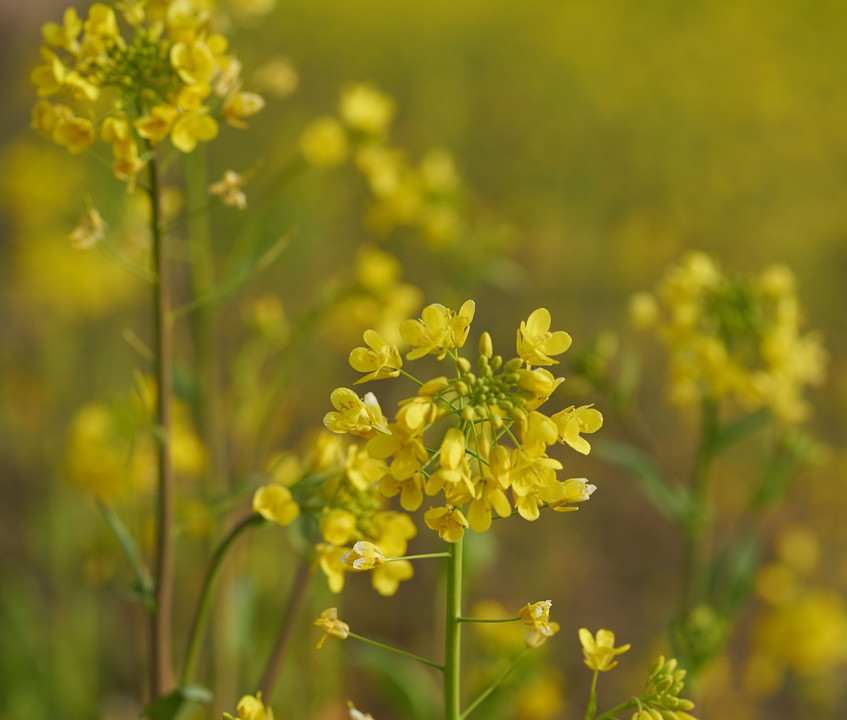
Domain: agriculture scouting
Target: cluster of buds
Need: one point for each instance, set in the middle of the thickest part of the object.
(734, 337)
(660, 699)
(168, 76)
(499, 439)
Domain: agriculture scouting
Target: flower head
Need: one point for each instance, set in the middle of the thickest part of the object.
(600, 651)
(331, 625)
(535, 341)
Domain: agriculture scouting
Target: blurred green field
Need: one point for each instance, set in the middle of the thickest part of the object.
(597, 143)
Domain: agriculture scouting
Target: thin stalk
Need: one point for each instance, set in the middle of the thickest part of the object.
(489, 620)
(299, 586)
(491, 688)
(591, 710)
(204, 603)
(453, 635)
(161, 617)
(436, 665)
(418, 557)
(612, 714)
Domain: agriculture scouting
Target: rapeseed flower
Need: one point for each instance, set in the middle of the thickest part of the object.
(331, 625)
(536, 343)
(251, 708)
(600, 650)
(275, 503)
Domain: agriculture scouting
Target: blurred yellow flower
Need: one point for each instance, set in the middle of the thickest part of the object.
(365, 109)
(275, 503)
(90, 230)
(228, 189)
(324, 142)
(337, 525)
(538, 616)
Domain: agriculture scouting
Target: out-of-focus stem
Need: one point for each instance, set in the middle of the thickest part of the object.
(160, 626)
(491, 688)
(695, 532)
(299, 586)
(205, 602)
(207, 356)
(453, 635)
(396, 650)
(591, 710)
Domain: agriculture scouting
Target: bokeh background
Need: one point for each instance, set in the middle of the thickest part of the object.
(597, 142)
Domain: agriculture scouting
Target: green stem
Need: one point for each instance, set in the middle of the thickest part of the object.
(452, 640)
(204, 604)
(612, 714)
(411, 377)
(161, 618)
(697, 522)
(436, 665)
(591, 710)
(418, 557)
(488, 620)
(491, 688)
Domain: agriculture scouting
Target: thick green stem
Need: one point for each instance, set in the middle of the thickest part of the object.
(160, 625)
(204, 603)
(431, 663)
(453, 635)
(491, 688)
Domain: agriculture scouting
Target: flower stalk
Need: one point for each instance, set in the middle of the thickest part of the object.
(453, 635)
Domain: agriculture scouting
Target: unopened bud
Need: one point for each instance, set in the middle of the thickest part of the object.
(486, 347)
(463, 364)
(434, 386)
(513, 365)
(468, 414)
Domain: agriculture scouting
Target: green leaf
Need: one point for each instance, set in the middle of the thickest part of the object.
(142, 587)
(669, 499)
(732, 572)
(179, 704)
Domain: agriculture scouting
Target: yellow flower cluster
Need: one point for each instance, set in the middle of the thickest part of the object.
(499, 439)
(159, 81)
(803, 626)
(738, 338)
(337, 483)
(423, 196)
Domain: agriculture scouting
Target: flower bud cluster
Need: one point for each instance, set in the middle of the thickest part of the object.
(660, 699)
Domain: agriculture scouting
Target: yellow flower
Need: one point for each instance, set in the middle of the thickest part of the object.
(324, 142)
(362, 470)
(575, 490)
(411, 489)
(387, 578)
(600, 652)
(50, 77)
(573, 421)
(74, 133)
(364, 108)
(380, 359)
(391, 531)
(278, 77)
(449, 522)
(535, 638)
(101, 22)
(64, 35)
(116, 128)
(453, 463)
(337, 525)
(44, 118)
(228, 189)
(157, 123)
(274, 502)
(357, 416)
(537, 616)
(438, 330)
(191, 127)
(193, 62)
(80, 87)
(363, 556)
(329, 560)
(126, 164)
(535, 342)
(242, 105)
(251, 708)
(487, 494)
(331, 625)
